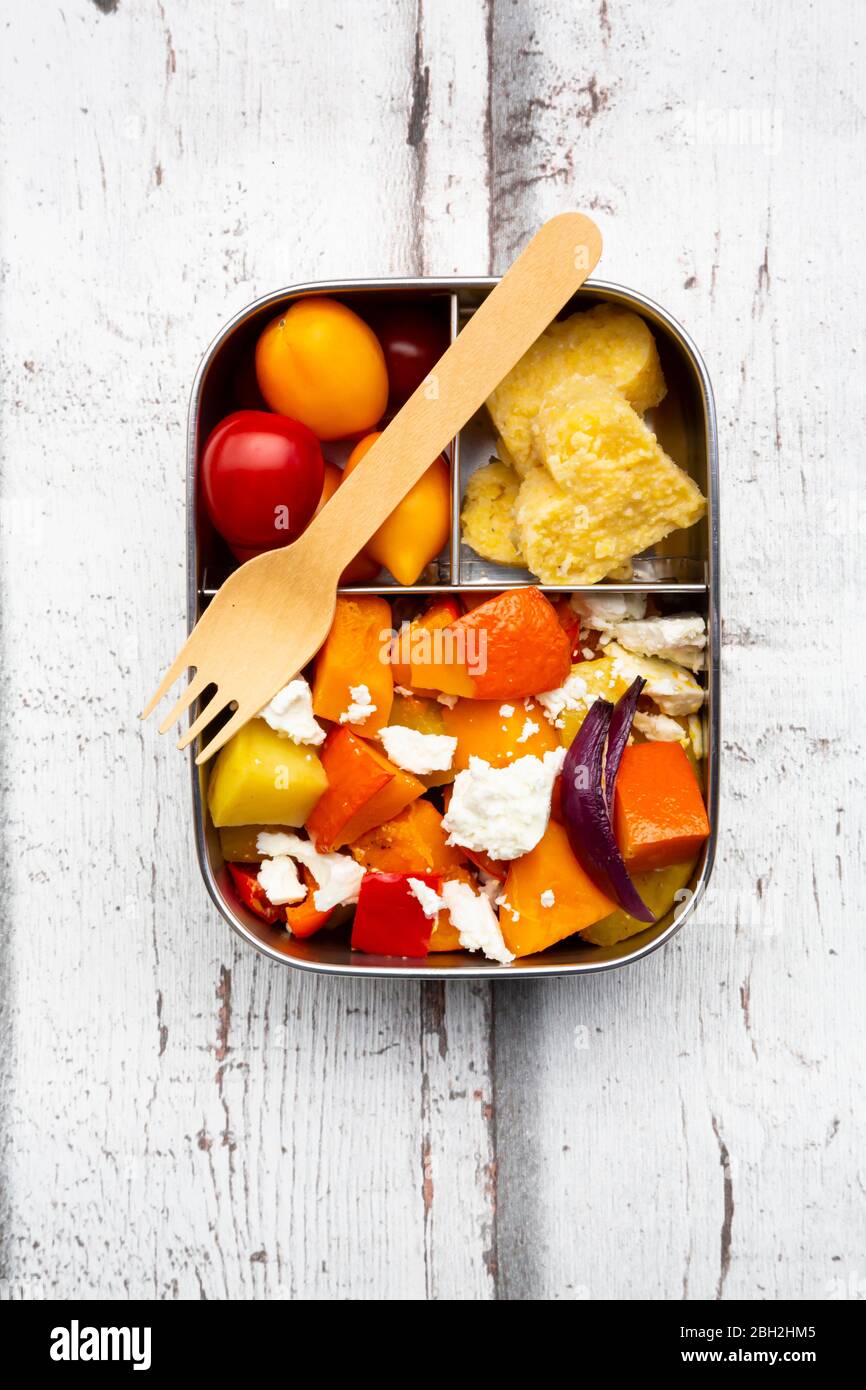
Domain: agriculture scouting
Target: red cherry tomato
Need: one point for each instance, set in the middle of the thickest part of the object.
(261, 477)
(413, 339)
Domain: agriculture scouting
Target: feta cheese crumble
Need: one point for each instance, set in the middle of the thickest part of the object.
(680, 638)
(504, 810)
(475, 921)
(448, 700)
(604, 612)
(506, 711)
(572, 695)
(431, 903)
(290, 712)
(659, 728)
(361, 707)
(672, 688)
(529, 728)
(417, 752)
(279, 879)
(338, 876)
(548, 898)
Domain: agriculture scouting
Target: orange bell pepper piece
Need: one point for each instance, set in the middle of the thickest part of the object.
(364, 789)
(509, 647)
(482, 731)
(527, 924)
(413, 641)
(355, 653)
(496, 868)
(524, 649)
(659, 816)
(304, 918)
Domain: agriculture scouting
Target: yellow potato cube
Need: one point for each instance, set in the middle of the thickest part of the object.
(658, 888)
(608, 342)
(591, 680)
(488, 513)
(238, 842)
(606, 492)
(262, 778)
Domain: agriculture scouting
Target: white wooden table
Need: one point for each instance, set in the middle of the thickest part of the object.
(179, 1117)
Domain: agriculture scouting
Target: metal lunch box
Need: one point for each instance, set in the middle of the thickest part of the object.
(685, 566)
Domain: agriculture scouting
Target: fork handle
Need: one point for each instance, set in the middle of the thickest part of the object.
(528, 297)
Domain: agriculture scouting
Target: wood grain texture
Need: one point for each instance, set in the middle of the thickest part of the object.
(181, 1118)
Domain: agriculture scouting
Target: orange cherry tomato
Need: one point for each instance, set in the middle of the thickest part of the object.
(418, 527)
(321, 364)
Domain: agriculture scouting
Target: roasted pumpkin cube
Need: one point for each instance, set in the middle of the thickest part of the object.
(355, 653)
(497, 731)
(659, 816)
(548, 896)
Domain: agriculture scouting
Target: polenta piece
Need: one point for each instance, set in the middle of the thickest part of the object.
(607, 342)
(607, 489)
(488, 521)
(488, 513)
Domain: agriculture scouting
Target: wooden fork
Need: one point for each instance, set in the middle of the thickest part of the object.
(271, 616)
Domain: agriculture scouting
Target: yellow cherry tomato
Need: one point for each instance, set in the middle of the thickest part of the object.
(418, 527)
(320, 364)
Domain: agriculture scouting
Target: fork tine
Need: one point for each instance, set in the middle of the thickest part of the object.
(210, 711)
(195, 687)
(241, 716)
(180, 663)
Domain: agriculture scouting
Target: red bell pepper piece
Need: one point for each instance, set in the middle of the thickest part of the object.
(389, 920)
(304, 918)
(445, 609)
(569, 621)
(251, 892)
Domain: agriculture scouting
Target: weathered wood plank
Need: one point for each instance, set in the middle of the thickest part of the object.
(688, 1128)
(182, 1118)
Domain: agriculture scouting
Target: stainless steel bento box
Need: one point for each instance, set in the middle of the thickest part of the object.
(684, 568)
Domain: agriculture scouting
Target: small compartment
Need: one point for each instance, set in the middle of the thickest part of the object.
(227, 382)
(680, 423)
(681, 574)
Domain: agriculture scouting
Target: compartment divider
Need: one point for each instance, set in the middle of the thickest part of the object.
(456, 497)
(207, 592)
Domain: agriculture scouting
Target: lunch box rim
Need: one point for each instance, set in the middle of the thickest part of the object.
(530, 966)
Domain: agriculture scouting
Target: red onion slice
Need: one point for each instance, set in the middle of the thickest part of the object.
(587, 819)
